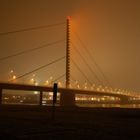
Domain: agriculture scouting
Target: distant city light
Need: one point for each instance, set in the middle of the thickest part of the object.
(35, 92)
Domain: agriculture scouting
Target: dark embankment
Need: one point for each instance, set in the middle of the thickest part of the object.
(34, 122)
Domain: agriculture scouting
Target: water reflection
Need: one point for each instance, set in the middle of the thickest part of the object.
(109, 105)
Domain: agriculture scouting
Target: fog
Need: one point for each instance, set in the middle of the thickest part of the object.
(109, 29)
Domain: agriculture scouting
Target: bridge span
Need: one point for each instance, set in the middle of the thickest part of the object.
(67, 97)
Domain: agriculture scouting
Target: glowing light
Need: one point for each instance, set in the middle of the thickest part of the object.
(69, 17)
(6, 98)
(21, 101)
(60, 84)
(51, 78)
(14, 96)
(98, 89)
(47, 82)
(44, 102)
(11, 71)
(103, 99)
(36, 84)
(112, 98)
(85, 87)
(50, 93)
(103, 90)
(32, 80)
(78, 86)
(35, 92)
(14, 77)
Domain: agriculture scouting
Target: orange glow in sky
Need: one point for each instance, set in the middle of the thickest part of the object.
(109, 28)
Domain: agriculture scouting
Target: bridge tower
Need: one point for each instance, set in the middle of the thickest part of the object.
(67, 98)
(68, 52)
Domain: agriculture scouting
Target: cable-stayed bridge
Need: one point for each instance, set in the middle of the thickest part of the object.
(70, 86)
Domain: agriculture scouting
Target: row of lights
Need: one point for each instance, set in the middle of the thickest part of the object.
(76, 85)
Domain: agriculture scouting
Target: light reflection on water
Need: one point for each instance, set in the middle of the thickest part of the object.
(110, 105)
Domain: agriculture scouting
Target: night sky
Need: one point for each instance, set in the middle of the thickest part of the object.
(110, 29)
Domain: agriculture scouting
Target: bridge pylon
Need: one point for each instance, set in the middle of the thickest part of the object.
(67, 99)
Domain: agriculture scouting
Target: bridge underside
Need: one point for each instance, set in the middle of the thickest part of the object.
(67, 99)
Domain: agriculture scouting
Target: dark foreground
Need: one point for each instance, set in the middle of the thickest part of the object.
(31, 123)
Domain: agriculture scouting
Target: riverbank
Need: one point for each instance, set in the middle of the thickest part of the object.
(34, 122)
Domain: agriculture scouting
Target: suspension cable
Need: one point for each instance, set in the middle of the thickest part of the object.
(93, 59)
(61, 76)
(87, 64)
(31, 29)
(30, 50)
(37, 69)
(81, 71)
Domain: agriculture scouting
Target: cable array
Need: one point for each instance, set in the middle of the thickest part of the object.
(39, 68)
(59, 59)
(31, 29)
(31, 50)
(83, 74)
(34, 49)
(89, 67)
(92, 58)
(58, 78)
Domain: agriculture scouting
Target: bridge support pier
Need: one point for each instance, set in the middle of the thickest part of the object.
(124, 100)
(0, 96)
(67, 99)
(40, 100)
